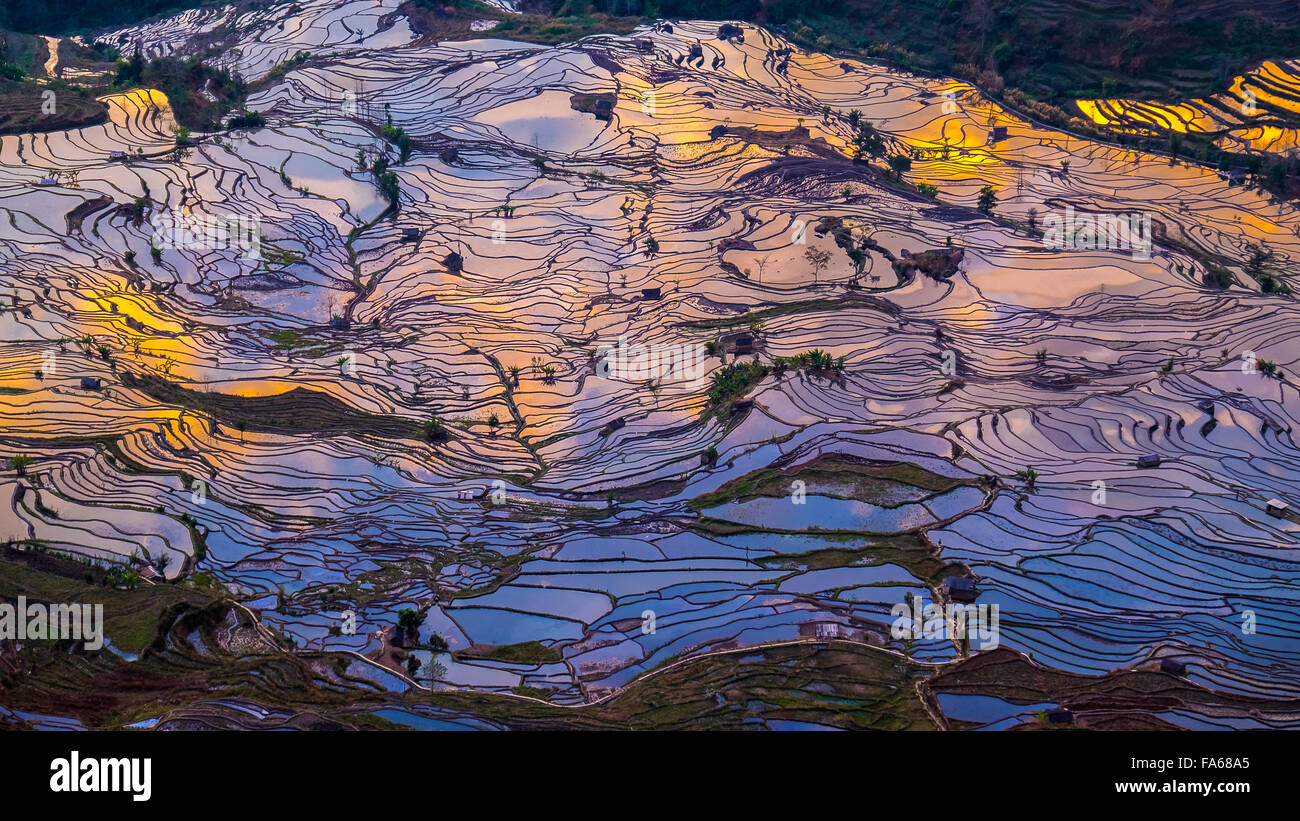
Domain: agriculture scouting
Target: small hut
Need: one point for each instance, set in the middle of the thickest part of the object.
(1173, 667)
(614, 424)
(960, 588)
(730, 31)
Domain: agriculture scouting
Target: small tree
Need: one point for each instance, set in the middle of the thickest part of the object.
(818, 259)
(408, 622)
(433, 670)
(434, 429)
(987, 199)
(868, 142)
(900, 164)
(20, 463)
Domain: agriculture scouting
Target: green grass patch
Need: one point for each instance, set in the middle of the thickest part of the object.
(529, 652)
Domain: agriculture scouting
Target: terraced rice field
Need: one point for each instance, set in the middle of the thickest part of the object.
(259, 420)
(1256, 113)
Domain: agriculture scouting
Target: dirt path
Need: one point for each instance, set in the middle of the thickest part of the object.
(52, 64)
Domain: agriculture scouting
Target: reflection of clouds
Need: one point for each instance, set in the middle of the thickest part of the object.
(313, 510)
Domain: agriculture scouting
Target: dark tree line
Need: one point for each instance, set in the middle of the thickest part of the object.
(80, 16)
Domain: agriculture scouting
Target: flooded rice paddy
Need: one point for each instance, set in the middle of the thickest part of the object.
(228, 436)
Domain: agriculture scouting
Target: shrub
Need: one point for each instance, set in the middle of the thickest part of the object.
(247, 119)
(434, 430)
(735, 380)
(409, 619)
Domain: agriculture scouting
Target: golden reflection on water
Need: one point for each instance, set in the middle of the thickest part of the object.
(1247, 98)
(126, 105)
